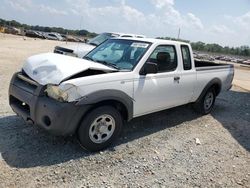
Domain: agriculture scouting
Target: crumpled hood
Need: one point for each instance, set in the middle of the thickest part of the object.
(51, 68)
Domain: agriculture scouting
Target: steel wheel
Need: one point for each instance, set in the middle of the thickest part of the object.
(99, 128)
(205, 104)
(208, 101)
(102, 129)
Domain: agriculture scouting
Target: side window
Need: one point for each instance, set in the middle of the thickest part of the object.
(165, 57)
(186, 57)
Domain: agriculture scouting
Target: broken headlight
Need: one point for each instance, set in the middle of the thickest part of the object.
(56, 93)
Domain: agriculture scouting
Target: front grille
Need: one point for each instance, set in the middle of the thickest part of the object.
(26, 83)
(61, 50)
(58, 51)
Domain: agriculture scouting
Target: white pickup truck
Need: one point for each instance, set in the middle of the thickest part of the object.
(119, 80)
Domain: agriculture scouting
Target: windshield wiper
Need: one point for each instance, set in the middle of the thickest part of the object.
(108, 64)
(88, 58)
(92, 43)
(102, 62)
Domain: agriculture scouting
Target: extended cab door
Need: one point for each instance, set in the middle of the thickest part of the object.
(187, 74)
(155, 92)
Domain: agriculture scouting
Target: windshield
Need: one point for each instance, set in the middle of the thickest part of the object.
(118, 53)
(101, 38)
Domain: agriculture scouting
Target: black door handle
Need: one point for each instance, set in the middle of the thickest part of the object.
(177, 78)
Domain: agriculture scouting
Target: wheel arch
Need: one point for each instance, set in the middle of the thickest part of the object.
(214, 83)
(115, 98)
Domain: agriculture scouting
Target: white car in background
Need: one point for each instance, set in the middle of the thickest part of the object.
(81, 49)
(53, 36)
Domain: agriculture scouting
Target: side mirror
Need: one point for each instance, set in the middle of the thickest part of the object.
(149, 68)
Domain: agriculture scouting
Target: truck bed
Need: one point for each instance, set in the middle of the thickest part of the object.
(206, 71)
(208, 65)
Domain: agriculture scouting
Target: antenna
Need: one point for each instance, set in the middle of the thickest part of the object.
(179, 33)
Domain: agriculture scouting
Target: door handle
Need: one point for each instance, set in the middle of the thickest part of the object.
(177, 78)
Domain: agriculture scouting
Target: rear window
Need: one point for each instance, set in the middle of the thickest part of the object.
(186, 57)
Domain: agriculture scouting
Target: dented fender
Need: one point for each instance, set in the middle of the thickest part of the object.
(108, 95)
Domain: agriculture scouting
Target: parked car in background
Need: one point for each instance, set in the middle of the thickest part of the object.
(44, 35)
(34, 34)
(12, 30)
(81, 49)
(53, 36)
(247, 62)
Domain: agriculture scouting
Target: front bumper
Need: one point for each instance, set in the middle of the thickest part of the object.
(28, 100)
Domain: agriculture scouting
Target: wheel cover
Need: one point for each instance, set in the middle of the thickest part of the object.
(102, 129)
(209, 99)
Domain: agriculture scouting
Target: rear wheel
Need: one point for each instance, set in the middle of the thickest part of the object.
(100, 128)
(206, 104)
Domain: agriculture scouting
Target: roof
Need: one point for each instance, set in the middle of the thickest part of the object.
(127, 34)
(152, 40)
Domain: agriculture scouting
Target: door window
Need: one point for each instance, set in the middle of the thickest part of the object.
(165, 57)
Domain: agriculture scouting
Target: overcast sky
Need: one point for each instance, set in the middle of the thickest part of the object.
(226, 22)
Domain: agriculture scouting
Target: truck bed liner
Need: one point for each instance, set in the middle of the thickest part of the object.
(208, 65)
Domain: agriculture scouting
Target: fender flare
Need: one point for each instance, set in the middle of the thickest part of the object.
(106, 95)
(215, 81)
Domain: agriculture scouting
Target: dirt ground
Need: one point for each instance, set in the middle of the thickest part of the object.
(158, 150)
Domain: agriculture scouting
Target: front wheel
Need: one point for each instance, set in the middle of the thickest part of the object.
(100, 128)
(206, 104)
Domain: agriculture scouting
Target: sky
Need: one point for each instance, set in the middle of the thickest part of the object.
(226, 22)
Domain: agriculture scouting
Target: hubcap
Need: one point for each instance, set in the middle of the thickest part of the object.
(208, 102)
(102, 128)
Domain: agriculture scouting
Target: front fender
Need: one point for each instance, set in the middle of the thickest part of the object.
(109, 94)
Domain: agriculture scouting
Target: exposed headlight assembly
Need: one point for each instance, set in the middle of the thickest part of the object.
(56, 93)
(64, 92)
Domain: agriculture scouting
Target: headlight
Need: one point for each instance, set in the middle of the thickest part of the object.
(56, 93)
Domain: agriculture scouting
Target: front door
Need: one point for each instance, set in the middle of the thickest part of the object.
(155, 92)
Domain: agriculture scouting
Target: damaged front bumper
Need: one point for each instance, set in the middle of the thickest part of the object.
(27, 99)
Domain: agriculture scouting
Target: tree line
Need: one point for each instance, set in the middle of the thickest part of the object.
(215, 48)
(14, 23)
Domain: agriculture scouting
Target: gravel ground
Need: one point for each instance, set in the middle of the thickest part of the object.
(172, 148)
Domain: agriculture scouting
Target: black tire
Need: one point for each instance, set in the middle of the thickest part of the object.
(96, 125)
(205, 105)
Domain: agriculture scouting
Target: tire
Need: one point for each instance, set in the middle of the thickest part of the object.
(100, 128)
(206, 103)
